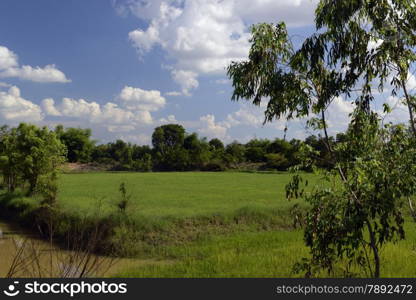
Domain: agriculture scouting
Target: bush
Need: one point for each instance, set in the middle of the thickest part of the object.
(214, 166)
(277, 161)
(144, 164)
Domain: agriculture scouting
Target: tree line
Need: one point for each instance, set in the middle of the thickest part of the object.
(173, 149)
(30, 155)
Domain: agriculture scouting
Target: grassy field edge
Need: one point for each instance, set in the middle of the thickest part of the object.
(125, 236)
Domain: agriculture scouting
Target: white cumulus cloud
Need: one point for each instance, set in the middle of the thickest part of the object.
(8, 59)
(14, 108)
(204, 36)
(133, 110)
(9, 67)
(138, 99)
(209, 128)
(186, 79)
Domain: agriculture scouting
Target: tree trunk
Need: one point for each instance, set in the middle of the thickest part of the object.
(32, 186)
(409, 106)
(374, 248)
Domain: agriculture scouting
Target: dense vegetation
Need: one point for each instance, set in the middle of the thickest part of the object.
(30, 155)
(176, 150)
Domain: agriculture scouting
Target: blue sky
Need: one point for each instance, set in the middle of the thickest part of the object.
(123, 67)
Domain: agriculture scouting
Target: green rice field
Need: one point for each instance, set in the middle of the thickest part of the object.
(229, 224)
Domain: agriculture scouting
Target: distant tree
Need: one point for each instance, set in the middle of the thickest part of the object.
(217, 149)
(279, 146)
(168, 146)
(256, 150)
(277, 161)
(140, 151)
(144, 163)
(101, 154)
(198, 151)
(191, 141)
(78, 143)
(234, 154)
(142, 158)
(324, 157)
(168, 137)
(122, 153)
(340, 137)
(293, 153)
(216, 144)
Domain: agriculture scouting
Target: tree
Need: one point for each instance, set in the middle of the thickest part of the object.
(168, 137)
(35, 153)
(324, 157)
(216, 145)
(352, 221)
(10, 158)
(275, 71)
(78, 143)
(345, 41)
(140, 151)
(168, 142)
(198, 151)
(277, 161)
(279, 146)
(101, 154)
(256, 150)
(142, 158)
(368, 166)
(217, 149)
(234, 154)
(143, 164)
(122, 153)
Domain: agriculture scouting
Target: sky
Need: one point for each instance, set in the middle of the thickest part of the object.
(124, 67)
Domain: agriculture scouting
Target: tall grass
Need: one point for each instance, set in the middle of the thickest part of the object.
(262, 254)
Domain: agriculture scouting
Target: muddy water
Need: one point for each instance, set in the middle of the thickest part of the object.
(24, 255)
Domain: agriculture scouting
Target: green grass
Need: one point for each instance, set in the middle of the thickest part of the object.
(209, 224)
(265, 255)
(165, 208)
(177, 194)
(243, 254)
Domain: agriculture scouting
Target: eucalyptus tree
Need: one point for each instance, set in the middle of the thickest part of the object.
(373, 40)
(357, 211)
(374, 43)
(275, 71)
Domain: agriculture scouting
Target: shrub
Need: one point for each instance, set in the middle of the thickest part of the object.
(214, 166)
(277, 161)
